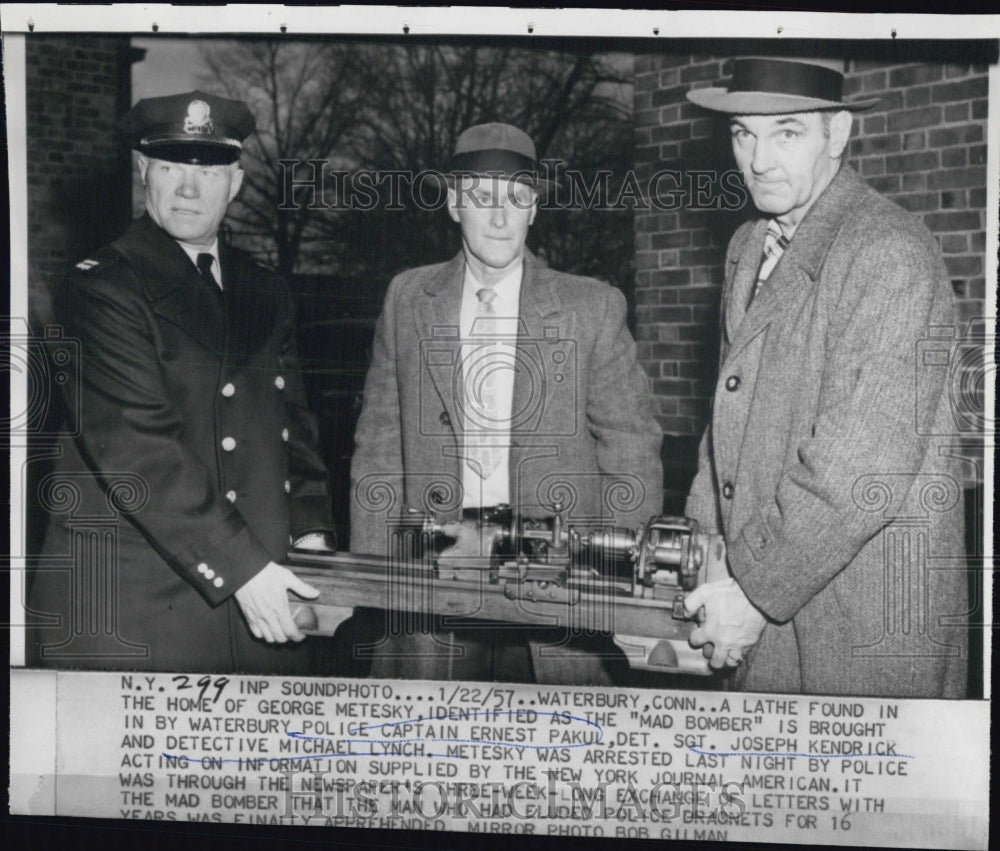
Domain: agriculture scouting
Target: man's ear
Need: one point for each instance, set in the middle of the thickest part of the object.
(142, 161)
(840, 132)
(236, 183)
(453, 203)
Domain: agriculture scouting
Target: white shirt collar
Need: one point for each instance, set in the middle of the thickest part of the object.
(507, 287)
(192, 251)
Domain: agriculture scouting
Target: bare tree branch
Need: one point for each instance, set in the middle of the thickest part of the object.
(383, 106)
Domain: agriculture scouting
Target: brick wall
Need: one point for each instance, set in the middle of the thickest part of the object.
(923, 145)
(78, 176)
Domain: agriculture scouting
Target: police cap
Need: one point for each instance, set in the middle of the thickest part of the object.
(194, 127)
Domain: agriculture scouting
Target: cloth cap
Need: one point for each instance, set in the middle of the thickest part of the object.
(497, 150)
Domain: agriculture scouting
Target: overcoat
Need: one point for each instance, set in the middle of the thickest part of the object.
(826, 461)
(582, 432)
(582, 435)
(188, 461)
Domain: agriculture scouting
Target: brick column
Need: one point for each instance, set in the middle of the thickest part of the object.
(78, 175)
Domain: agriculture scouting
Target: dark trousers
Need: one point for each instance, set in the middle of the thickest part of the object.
(434, 648)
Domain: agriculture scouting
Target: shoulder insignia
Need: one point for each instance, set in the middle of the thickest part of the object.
(87, 265)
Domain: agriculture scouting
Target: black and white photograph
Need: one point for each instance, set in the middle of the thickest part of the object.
(540, 427)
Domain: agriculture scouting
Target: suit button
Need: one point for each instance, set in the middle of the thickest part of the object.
(231, 496)
(202, 568)
(733, 383)
(284, 435)
(228, 389)
(279, 382)
(209, 574)
(228, 443)
(218, 583)
(444, 419)
(288, 486)
(727, 490)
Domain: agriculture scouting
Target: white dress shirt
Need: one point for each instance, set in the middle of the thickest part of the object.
(495, 489)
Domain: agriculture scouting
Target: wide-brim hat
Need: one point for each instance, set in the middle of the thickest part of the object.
(765, 86)
(194, 127)
(497, 150)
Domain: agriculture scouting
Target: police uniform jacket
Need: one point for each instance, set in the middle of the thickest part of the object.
(826, 463)
(193, 446)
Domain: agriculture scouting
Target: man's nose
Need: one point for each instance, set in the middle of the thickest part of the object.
(498, 216)
(188, 187)
(762, 159)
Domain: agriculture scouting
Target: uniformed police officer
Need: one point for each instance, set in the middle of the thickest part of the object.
(194, 463)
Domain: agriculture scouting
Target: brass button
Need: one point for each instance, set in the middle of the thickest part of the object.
(284, 435)
(202, 568)
(218, 583)
(733, 383)
(229, 444)
(209, 574)
(228, 389)
(279, 382)
(727, 490)
(231, 496)
(288, 486)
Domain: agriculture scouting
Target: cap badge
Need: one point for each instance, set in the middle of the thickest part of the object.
(199, 118)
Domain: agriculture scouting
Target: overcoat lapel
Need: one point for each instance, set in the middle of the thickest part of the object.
(538, 301)
(436, 314)
(799, 266)
(172, 285)
(744, 274)
(784, 287)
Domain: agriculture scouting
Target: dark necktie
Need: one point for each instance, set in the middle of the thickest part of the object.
(204, 264)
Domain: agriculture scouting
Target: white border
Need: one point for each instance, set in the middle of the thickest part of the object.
(989, 394)
(467, 20)
(17, 172)
(464, 21)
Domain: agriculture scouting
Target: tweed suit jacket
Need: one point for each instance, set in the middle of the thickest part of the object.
(825, 463)
(194, 443)
(582, 430)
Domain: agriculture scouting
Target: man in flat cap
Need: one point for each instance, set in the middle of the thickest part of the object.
(193, 437)
(496, 381)
(843, 521)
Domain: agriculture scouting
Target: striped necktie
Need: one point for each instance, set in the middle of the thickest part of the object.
(775, 243)
(481, 451)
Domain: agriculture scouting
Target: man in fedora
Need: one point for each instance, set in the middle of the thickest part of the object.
(843, 520)
(193, 447)
(496, 381)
